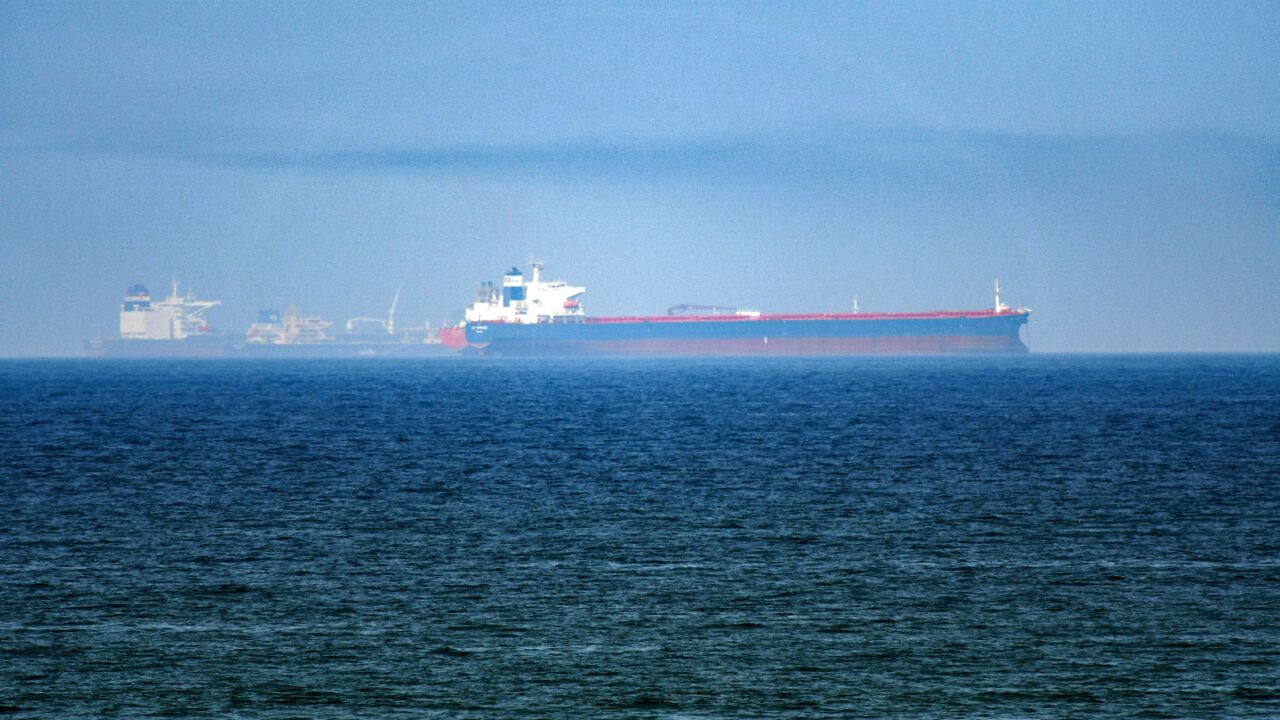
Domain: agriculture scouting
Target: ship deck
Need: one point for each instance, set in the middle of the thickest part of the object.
(928, 315)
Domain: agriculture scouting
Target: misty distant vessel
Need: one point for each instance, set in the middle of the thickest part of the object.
(176, 327)
(535, 317)
(172, 327)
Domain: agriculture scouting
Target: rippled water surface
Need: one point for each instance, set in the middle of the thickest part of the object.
(1026, 537)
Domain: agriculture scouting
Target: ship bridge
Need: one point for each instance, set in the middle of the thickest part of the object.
(526, 300)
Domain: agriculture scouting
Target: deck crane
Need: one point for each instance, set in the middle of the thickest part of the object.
(391, 314)
(389, 325)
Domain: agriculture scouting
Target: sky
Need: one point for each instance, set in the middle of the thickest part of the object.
(1116, 165)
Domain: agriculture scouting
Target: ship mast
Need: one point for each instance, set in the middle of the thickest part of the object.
(1000, 307)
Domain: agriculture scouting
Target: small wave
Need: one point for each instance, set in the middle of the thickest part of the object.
(742, 625)
(647, 702)
(1254, 693)
(449, 651)
(485, 627)
(222, 589)
(308, 697)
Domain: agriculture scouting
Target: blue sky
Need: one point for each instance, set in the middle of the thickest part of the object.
(1116, 164)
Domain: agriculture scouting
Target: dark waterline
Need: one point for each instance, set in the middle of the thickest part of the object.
(1042, 536)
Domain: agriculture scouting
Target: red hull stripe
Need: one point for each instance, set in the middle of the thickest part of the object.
(932, 315)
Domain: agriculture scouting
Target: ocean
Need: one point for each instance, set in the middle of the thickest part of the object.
(1014, 537)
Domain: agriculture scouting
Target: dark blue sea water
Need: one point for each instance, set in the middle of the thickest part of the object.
(1055, 537)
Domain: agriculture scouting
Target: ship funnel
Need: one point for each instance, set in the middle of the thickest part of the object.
(513, 288)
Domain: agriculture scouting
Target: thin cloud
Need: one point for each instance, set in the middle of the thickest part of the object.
(906, 156)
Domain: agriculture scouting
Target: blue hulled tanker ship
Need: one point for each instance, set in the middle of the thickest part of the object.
(534, 317)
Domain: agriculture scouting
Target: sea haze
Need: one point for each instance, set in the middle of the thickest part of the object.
(1047, 536)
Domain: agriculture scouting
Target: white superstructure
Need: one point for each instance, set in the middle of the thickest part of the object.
(527, 302)
(274, 328)
(174, 318)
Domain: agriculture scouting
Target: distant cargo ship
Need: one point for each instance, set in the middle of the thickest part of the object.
(176, 327)
(172, 327)
(535, 317)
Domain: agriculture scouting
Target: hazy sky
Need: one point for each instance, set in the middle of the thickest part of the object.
(1116, 164)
